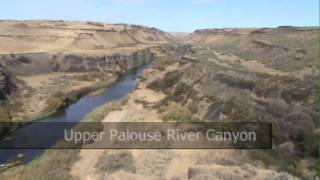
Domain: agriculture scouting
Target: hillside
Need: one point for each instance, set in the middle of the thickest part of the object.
(37, 57)
(80, 37)
(284, 48)
(211, 75)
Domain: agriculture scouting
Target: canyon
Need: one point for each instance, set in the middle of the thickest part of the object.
(211, 75)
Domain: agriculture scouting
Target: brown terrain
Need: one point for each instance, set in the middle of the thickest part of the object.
(214, 75)
(39, 59)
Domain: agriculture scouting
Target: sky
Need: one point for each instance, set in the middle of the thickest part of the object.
(170, 15)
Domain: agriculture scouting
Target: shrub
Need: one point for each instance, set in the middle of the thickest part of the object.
(4, 122)
(227, 107)
(235, 82)
(116, 161)
(176, 112)
(274, 159)
(60, 100)
(171, 78)
(156, 85)
(235, 112)
(95, 24)
(56, 101)
(162, 63)
(181, 89)
(4, 116)
(194, 106)
(121, 73)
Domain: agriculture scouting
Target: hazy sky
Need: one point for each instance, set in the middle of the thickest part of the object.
(170, 15)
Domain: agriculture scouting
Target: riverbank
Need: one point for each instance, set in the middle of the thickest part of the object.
(44, 95)
(74, 113)
(39, 103)
(151, 101)
(53, 160)
(148, 105)
(40, 95)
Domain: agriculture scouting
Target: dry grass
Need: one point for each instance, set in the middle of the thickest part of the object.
(4, 121)
(161, 63)
(53, 165)
(111, 162)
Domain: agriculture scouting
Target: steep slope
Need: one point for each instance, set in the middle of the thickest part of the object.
(284, 48)
(6, 84)
(46, 51)
(214, 75)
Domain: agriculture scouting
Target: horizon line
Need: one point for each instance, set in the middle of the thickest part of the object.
(148, 26)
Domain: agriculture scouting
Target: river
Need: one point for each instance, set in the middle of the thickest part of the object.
(73, 113)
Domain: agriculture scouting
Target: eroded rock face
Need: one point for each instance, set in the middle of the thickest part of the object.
(6, 84)
(284, 48)
(27, 64)
(42, 63)
(76, 63)
(40, 47)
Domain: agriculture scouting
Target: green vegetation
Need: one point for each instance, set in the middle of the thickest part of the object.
(227, 107)
(121, 73)
(4, 121)
(56, 101)
(119, 160)
(181, 89)
(194, 106)
(235, 112)
(61, 99)
(176, 112)
(161, 63)
(170, 79)
(280, 161)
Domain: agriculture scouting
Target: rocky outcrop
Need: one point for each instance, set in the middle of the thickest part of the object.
(6, 84)
(27, 63)
(42, 63)
(116, 62)
(284, 48)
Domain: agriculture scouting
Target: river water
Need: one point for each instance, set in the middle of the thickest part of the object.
(73, 113)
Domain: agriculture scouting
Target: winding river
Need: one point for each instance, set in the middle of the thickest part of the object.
(73, 113)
